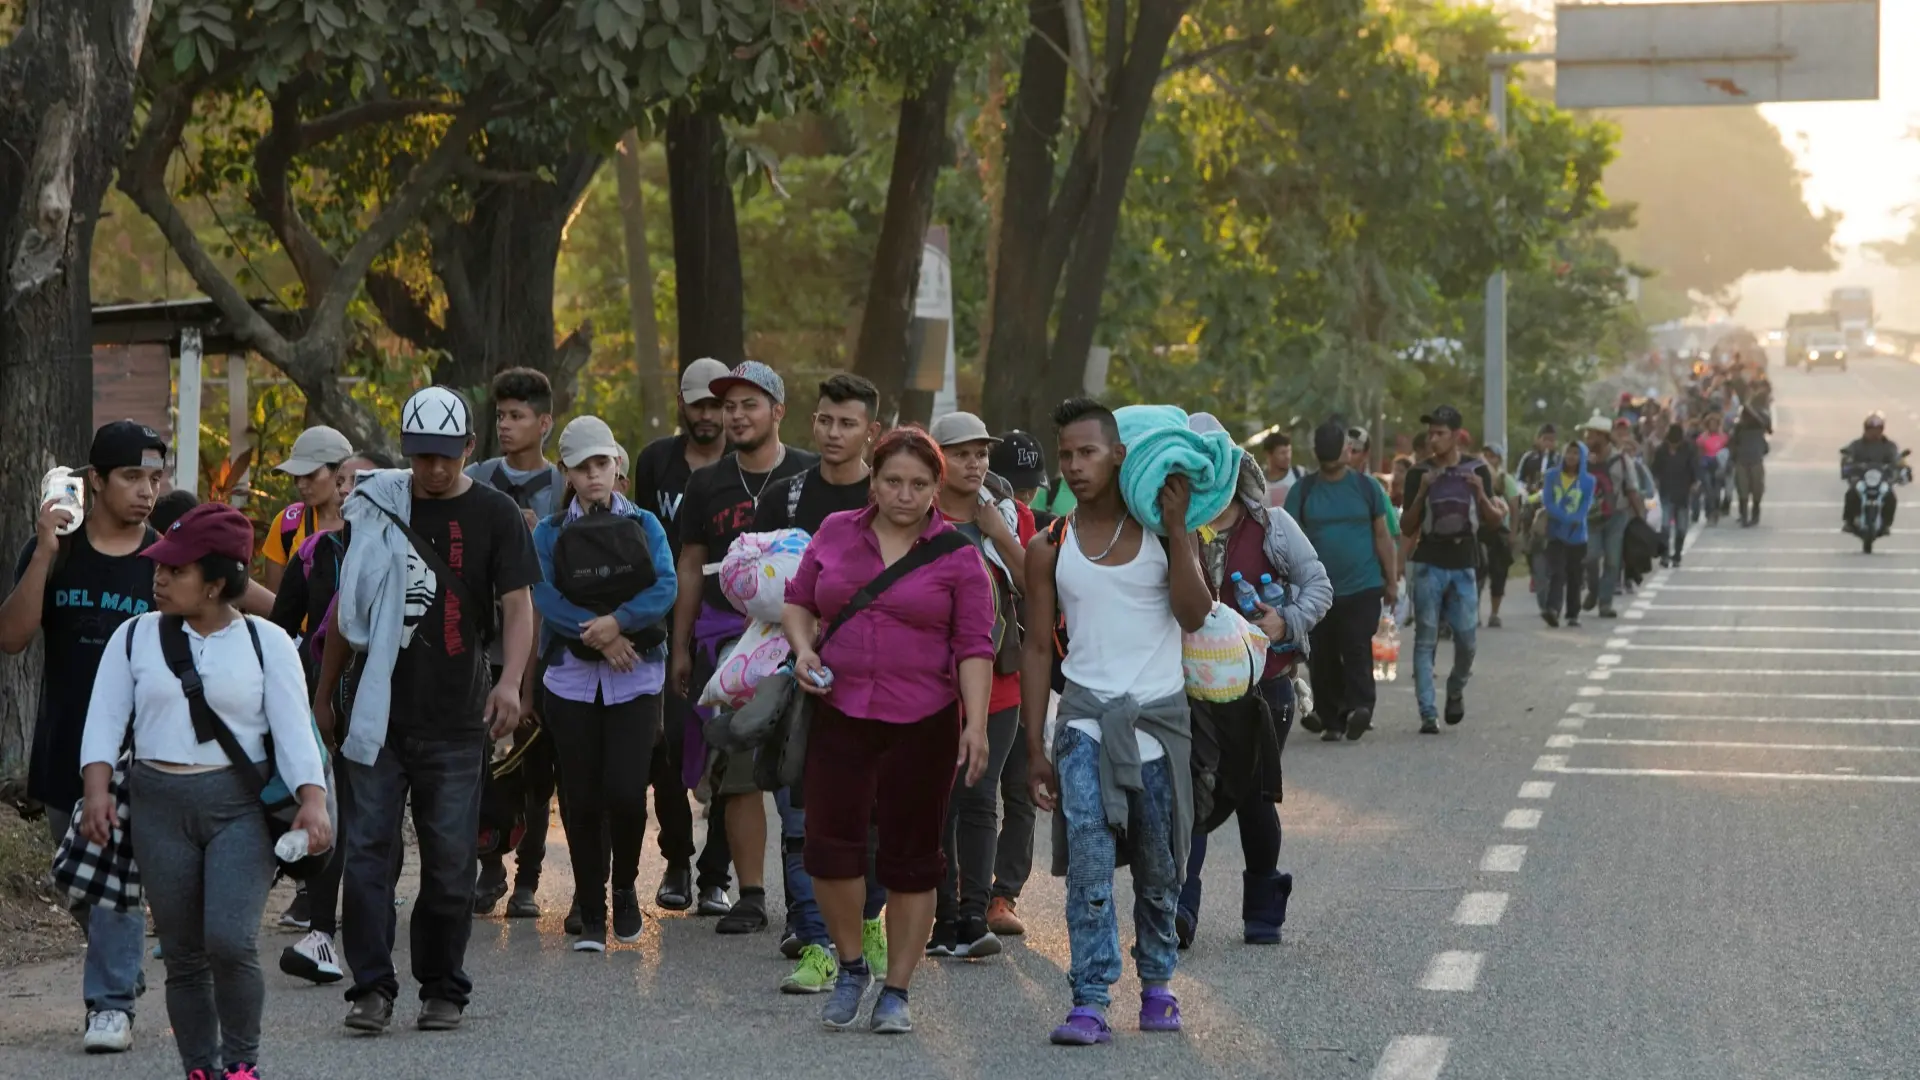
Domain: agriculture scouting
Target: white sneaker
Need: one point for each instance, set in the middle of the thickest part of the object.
(312, 958)
(109, 1031)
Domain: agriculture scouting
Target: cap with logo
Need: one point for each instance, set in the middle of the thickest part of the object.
(1017, 458)
(1445, 416)
(317, 448)
(126, 444)
(435, 421)
(584, 438)
(960, 427)
(696, 383)
(207, 529)
(755, 374)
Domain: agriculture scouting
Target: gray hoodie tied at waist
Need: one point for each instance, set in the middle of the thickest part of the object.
(1120, 767)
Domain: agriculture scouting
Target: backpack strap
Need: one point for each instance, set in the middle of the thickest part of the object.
(521, 494)
(922, 554)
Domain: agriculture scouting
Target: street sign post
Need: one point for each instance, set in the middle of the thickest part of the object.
(1624, 56)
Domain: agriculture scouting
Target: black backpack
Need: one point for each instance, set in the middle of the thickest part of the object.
(601, 561)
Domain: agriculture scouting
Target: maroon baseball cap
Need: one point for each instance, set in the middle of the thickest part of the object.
(207, 529)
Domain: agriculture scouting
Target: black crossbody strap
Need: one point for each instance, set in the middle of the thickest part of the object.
(207, 725)
(944, 544)
(455, 584)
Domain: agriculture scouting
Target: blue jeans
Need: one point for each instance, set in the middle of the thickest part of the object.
(1093, 928)
(1443, 594)
(1673, 525)
(116, 947)
(445, 778)
(803, 912)
(1606, 554)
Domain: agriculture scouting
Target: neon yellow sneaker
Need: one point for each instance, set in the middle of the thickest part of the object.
(814, 974)
(873, 945)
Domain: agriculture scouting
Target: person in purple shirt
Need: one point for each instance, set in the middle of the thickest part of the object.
(891, 684)
(606, 666)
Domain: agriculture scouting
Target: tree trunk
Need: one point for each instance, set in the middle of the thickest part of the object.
(710, 291)
(66, 103)
(991, 136)
(919, 149)
(659, 395)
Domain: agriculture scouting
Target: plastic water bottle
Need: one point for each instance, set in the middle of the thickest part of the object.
(1386, 649)
(1244, 597)
(1274, 595)
(292, 846)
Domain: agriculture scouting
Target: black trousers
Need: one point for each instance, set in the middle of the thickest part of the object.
(1342, 658)
(604, 753)
(675, 814)
(1566, 569)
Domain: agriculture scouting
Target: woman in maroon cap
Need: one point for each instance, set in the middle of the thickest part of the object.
(202, 844)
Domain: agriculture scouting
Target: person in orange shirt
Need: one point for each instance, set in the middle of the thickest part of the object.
(317, 453)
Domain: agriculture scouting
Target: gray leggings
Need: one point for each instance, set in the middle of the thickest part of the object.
(206, 865)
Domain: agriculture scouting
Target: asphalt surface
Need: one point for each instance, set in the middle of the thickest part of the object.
(1652, 922)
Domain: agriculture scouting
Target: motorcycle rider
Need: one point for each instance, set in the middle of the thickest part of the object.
(1871, 448)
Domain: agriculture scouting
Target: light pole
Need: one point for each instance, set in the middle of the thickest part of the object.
(1499, 66)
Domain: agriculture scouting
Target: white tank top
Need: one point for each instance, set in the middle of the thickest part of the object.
(1122, 637)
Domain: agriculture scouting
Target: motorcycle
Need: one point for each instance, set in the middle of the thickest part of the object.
(1873, 483)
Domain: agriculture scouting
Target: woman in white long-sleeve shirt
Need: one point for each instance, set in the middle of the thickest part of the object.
(199, 830)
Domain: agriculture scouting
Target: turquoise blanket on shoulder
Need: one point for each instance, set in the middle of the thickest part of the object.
(1159, 443)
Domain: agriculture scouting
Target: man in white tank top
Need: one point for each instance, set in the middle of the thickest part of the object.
(1119, 772)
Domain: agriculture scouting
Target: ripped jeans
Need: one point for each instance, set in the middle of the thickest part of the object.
(1093, 927)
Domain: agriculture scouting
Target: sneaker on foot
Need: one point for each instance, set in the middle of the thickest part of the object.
(890, 1014)
(676, 889)
(572, 924)
(1573, 622)
(109, 1031)
(873, 943)
(438, 1014)
(488, 891)
(748, 915)
(242, 1071)
(843, 1008)
(201, 1074)
(814, 974)
(1429, 726)
(946, 937)
(372, 1014)
(713, 901)
(791, 944)
(1312, 722)
(299, 913)
(974, 941)
(523, 905)
(1084, 1027)
(1456, 710)
(312, 958)
(1332, 734)
(1358, 721)
(1159, 1010)
(1001, 918)
(627, 922)
(1552, 618)
(1493, 622)
(593, 936)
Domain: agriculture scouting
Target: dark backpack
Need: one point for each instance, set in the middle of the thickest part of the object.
(601, 561)
(1453, 513)
(521, 494)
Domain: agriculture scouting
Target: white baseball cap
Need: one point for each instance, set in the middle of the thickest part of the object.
(436, 421)
(696, 382)
(587, 437)
(317, 448)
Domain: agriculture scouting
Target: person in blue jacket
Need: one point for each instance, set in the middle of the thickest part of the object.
(1567, 496)
(603, 680)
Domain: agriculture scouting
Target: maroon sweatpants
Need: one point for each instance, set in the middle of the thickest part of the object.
(860, 772)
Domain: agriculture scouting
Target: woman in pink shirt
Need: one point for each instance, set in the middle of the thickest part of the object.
(887, 730)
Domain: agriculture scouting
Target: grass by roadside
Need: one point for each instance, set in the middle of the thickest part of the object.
(34, 925)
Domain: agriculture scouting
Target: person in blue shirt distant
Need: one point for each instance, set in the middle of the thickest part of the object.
(1567, 496)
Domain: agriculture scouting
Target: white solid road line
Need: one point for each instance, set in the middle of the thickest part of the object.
(1761, 650)
(1845, 748)
(1536, 789)
(1413, 1057)
(1791, 588)
(1453, 972)
(1709, 718)
(1503, 859)
(1849, 609)
(1680, 628)
(1521, 819)
(1854, 778)
(1750, 672)
(1602, 691)
(1862, 571)
(1480, 909)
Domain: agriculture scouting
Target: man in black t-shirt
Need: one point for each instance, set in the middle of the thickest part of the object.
(659, 483)
(465, 546)
(720, 504)
(74, 590)
(1446, 500)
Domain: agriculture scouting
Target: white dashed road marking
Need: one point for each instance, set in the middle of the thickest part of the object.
(1413, 1057)
(1480, 909)
(1453, 972)
(1521, 819)
(1536, 789)
(1503, 859)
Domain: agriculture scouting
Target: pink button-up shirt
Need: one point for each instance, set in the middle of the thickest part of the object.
(897, 660)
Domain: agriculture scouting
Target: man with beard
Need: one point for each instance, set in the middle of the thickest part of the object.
(720, 503)
(659, 481)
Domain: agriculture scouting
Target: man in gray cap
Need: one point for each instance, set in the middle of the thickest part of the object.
(658, 482)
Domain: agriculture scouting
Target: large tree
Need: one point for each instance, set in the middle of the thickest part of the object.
(66, 102)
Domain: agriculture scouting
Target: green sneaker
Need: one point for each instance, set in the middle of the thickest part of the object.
(873, 945)
(813, 975)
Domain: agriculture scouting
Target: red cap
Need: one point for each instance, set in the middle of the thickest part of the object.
(207, 529)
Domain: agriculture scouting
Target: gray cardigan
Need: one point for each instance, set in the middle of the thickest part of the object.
(1166, 720)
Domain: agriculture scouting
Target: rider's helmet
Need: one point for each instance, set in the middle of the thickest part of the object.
(1876, 421)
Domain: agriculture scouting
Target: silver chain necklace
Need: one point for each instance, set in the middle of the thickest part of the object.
(1111, 543)
(768, 479)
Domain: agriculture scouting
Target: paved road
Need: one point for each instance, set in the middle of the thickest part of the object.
(1472, 905)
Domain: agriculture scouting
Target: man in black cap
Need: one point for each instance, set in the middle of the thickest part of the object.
(75, 583)
(1447, 499)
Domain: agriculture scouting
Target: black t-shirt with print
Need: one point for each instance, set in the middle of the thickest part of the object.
(1460, 553)
(720, 505)
(88, 596)
(660, 477)
(817, 500)
(440, 680)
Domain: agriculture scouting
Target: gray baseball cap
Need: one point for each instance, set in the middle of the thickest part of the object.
(316, 448)
(697, 381)
(587, 437)
(755, 374)
(960, 427)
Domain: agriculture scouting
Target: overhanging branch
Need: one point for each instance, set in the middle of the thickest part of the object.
(366, 114)
(1198, 57)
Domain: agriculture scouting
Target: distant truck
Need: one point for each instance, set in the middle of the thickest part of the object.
(1853, 306)
(1804, 323)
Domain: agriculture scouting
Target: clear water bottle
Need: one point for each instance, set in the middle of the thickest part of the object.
(1386, 649)
(1274, 595)
(292, 845)
(1244, 597)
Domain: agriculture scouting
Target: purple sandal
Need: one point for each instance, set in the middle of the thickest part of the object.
(1084, 1027)
(1159, 1010)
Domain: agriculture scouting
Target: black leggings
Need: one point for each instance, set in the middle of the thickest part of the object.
(605, 751)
